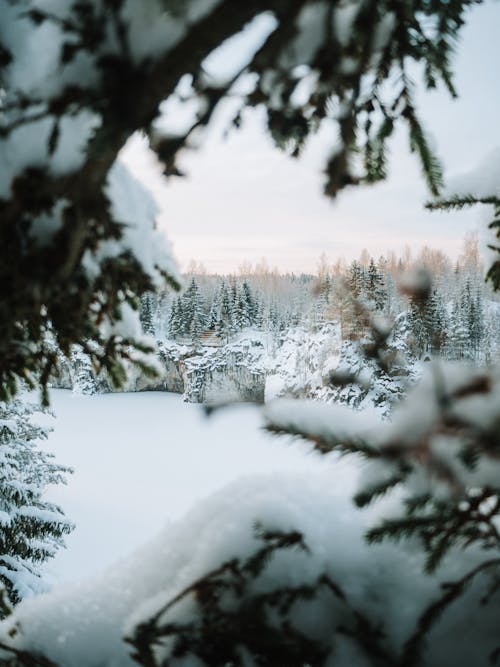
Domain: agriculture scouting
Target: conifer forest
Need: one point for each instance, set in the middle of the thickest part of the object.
(249, 465)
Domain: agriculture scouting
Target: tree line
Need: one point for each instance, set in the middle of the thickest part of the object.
(456, 320)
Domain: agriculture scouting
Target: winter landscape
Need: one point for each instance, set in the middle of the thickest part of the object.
(249, 333)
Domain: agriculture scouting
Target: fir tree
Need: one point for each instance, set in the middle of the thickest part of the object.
(175, 325)
(147, 313)
(225, 326)
(193, 318)
(375, 290)
(356, 279)
(83, 378)
(458, 336)
(214, 313)
(246, 307)
(31, 528)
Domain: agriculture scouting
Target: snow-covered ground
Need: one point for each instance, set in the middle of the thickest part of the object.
(143, 459)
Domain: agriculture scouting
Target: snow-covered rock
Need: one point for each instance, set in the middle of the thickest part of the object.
(252, 368)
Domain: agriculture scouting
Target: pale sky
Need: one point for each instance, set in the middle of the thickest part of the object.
(243, 199)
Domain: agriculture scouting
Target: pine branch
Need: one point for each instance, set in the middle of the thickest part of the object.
(380, 489)
(431, 167)
(414, 647)
(458, 202)
(25, 658)
(344, 445)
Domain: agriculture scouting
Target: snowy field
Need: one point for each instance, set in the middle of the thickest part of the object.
(142, 460)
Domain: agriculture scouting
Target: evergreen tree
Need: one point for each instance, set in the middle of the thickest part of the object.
(472, 315)
(198, 322)
(225, 326)
(435, 322)
(83, 378)
(193, 318)
(31, 528)
(375, 290)
(175, 324)
(458, 335)
(356, 279)
(246, 306)
(214, 313)
(147, 313)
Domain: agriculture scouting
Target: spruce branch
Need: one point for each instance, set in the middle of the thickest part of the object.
(415, 645)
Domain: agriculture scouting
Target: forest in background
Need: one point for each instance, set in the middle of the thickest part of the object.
(458, 320)
(274, 571)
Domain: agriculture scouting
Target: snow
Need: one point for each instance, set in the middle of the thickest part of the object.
(230, 58)
(145, 459)
(74, 134)
(344, 17)
(23, 147)
(148, 457)
(481, 181)
(35, 72)
(135, 208)
(104, 610)
(333, 424)
(154, 30)
(151, 28)
(311, 33)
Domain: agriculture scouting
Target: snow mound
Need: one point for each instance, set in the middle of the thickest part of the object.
(84, 625)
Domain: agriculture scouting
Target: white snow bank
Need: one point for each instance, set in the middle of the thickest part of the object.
(135, 208)
(84, 625)
(332, 424)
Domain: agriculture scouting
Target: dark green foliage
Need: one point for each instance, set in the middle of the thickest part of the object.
(47, 286)
(374, 286)
(414, 649)
(233, 620)
(19, 658)
(32, 529)
(175, 324)
(225, 324)
(356, 279)
(147, 312)
(380, 489)
(428, 324)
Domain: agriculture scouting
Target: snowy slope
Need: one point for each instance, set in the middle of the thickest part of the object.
(143, 459)
(131, 476)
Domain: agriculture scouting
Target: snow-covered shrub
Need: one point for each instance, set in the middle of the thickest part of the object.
(31, 528)
(441, 452)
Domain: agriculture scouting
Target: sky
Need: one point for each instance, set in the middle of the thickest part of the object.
(243, 200)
